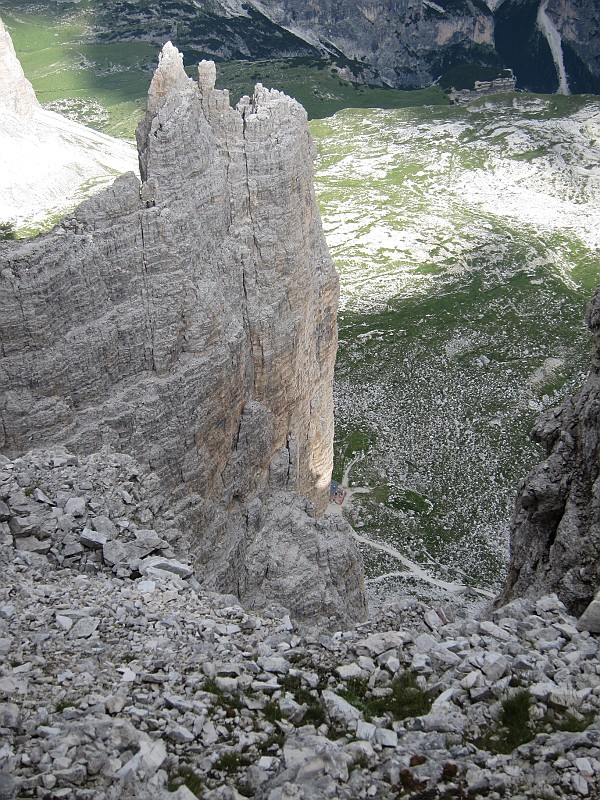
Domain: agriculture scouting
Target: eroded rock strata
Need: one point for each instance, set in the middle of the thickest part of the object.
(190, 321)
(555, 536)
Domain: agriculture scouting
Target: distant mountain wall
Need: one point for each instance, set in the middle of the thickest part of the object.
(412, 42)
(522, 45)
(402, 43)
(406, 43)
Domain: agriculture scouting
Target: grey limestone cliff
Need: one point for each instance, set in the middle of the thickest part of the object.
(555, 535)
(190, 321)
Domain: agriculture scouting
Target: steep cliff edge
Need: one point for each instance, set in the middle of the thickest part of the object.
(408, 43)
(555, 536)
(190, 321)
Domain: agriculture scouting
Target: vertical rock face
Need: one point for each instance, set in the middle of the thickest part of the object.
(409, 43)
(16, 93)
(555, 537)
(190, 321)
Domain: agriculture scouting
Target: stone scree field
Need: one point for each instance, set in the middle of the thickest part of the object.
(120, 677)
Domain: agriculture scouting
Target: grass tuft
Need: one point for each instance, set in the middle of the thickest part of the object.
(406, 700)
(186, 777)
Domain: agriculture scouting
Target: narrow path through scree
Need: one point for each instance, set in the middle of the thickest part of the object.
(414, 569)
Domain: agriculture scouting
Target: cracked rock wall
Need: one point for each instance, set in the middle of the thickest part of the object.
(190, 321)
(555, 536)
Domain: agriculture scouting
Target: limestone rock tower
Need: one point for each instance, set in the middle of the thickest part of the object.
(190, 320)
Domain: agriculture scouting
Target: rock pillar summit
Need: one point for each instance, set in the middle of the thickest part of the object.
(190, 321)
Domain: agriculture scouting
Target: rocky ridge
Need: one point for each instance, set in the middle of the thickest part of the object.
(413, 42)
(555, 537)
(121, 676)
(189, 321)
(135, 678)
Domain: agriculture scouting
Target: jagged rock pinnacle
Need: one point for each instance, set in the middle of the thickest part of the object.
(207, 76)
(170, 78)
(195, 329)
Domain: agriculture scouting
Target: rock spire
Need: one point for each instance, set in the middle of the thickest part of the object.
(190, 321)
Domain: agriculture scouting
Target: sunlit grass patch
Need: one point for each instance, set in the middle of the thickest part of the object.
(451, 306)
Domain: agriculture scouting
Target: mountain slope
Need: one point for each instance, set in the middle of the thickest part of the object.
(48, 164)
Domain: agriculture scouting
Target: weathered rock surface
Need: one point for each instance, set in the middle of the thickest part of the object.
(190, 322)
(555, 537)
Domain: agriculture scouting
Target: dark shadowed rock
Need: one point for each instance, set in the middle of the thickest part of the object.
(555, 536)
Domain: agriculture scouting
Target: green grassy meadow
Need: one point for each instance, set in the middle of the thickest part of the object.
(467, 252)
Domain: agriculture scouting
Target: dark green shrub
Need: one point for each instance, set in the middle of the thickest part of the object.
(406, 699)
